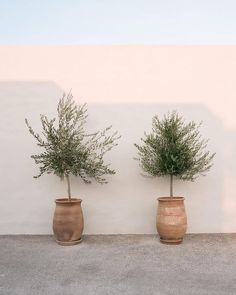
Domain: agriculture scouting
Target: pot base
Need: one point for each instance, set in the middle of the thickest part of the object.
(70, 243)
(171, 242)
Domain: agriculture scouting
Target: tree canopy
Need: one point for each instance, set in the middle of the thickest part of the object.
(174, 148)
(68, 149)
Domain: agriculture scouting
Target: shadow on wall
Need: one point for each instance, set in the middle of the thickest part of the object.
(229, 171)
(127, 204)
(26, 202)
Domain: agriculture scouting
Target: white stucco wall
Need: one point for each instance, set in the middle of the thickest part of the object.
(127, 204)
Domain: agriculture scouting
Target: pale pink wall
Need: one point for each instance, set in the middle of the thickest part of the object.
(117, 74)
(202, 76)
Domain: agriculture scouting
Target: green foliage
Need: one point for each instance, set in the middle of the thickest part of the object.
(68, 149)
(174, 148)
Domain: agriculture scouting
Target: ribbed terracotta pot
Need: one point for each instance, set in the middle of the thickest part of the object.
(68, 222)
(171, 220)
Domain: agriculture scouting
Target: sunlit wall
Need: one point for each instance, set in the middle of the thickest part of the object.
(124, 85)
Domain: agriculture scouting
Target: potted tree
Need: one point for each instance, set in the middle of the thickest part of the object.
(69, 150)
(174, 149)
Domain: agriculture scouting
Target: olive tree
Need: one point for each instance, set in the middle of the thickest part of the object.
(175, 149)
(66, 147)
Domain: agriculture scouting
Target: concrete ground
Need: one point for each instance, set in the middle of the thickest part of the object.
(118, 264)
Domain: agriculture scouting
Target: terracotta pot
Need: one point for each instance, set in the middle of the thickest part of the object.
(68, 222)
(171, 220)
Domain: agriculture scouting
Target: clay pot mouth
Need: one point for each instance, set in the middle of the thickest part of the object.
(66, 201)
(170, 199)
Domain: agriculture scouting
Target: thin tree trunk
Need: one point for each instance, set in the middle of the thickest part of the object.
(68, 187)
(171, 186)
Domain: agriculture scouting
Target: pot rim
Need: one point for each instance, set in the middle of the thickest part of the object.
(66, 201)
(171, 199)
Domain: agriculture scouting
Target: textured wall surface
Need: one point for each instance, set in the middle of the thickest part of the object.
(123, 86)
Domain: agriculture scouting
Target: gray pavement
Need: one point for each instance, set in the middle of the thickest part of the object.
(118, 264)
